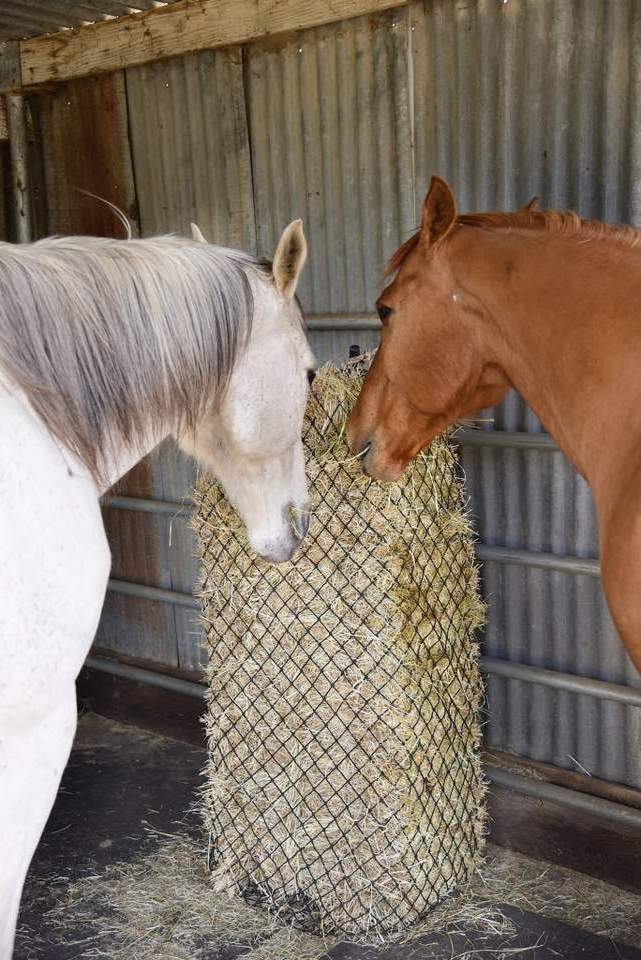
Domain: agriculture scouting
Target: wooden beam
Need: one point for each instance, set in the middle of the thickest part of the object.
(10, 69)
(180, 28)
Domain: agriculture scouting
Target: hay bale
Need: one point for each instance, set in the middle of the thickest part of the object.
(344, 784)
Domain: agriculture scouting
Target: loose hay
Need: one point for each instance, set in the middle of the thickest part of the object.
(344, 781)
(160, 907)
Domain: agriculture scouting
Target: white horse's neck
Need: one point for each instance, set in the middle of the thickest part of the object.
(127, 458)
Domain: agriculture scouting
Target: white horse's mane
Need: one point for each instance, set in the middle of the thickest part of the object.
(109, 339)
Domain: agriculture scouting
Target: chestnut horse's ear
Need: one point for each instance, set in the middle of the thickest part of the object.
(532, 204)
(289, 258)
(439, 211)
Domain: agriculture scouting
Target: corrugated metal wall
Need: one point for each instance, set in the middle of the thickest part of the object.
(329, 116)
(343, 125)
(513, 99)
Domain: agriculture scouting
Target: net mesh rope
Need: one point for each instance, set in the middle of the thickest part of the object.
(344, 788)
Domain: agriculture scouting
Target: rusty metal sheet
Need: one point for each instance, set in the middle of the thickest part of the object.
(85, 144)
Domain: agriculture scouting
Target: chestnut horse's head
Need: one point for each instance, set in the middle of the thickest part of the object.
(432, 366)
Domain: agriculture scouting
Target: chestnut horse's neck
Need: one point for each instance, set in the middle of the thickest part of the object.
(562, 318)
(561, 315)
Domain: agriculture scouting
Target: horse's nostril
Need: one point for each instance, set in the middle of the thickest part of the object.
(299, 520)
(362, 456)
(304, 524)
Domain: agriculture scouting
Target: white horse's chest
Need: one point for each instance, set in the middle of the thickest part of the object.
(54, 562)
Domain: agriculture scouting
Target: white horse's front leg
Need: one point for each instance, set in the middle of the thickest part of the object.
(33, 753)
(54, 564)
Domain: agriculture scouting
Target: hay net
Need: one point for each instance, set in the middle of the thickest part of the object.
(343, 787)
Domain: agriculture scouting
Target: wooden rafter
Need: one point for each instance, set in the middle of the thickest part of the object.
(175, 29)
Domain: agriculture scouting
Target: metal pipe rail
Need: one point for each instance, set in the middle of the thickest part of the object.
(539, 789)
(169, 508)
(586, 566)
(159, 594)
(163, 680)
(346, 321)
(504, 440)
(618, 813)
(570, 682)
(493, 666)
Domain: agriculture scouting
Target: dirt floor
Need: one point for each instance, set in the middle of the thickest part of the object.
(120, 873)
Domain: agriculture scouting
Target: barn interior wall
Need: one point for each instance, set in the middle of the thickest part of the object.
(343, 125)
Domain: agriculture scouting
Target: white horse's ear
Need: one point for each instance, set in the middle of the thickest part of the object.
(197, 234)
(289, 258)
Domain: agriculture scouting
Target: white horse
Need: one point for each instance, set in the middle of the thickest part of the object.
(106, 347)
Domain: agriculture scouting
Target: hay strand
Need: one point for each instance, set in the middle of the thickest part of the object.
(160, 907)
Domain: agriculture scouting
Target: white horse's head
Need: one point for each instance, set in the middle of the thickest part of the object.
(252, 441)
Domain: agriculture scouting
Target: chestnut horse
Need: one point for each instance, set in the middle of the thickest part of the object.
(543, 302)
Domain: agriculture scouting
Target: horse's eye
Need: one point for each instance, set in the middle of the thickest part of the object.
(383, 311)
(311, 376)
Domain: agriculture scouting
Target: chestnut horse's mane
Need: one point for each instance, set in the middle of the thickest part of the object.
(562, 222)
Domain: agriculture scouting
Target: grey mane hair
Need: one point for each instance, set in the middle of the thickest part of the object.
(114, 342)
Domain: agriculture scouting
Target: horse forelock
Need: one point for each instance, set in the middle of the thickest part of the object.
(115, 341)
(397, 258)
